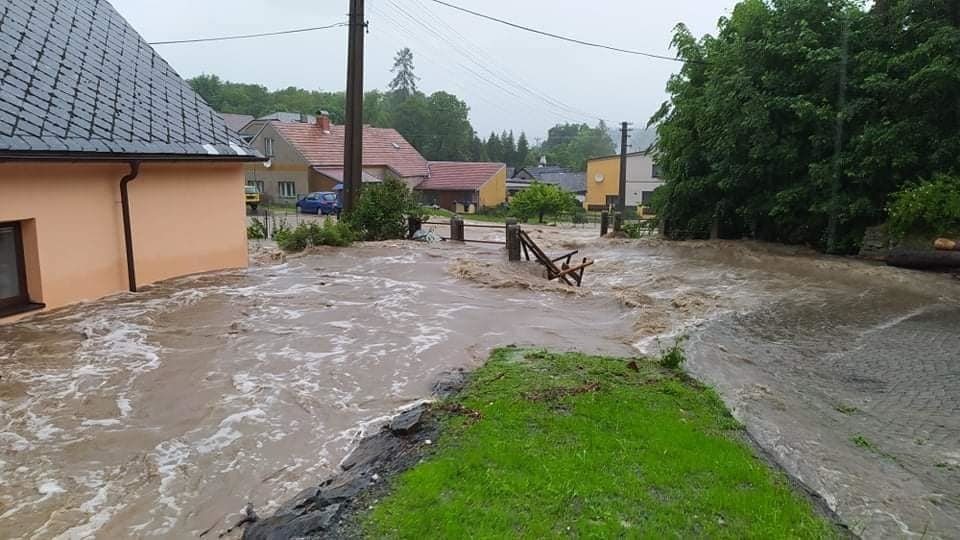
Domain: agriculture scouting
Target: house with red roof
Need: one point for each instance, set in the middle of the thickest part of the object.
(306, 156)
(464, 187)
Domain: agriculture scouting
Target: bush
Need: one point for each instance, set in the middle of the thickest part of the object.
(639, 229)
(381, 213)
(541, 199)
(257, 230)
(673, 357)
(929, 208)
(313, 234)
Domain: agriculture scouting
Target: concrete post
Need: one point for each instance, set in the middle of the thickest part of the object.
(604, 222)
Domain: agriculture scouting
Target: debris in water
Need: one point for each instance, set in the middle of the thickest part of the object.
(429, 237)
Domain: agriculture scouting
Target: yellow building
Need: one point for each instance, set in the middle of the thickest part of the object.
(464, 187)
(603, 181)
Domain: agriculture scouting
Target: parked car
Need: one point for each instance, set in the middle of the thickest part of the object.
(252, 195)
(320, 203)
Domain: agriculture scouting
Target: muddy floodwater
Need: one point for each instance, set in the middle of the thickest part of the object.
(162, 413)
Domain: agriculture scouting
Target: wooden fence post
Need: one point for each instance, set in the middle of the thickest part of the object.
(513, 240)
(456, 229)
(414, 224)
(604, 222)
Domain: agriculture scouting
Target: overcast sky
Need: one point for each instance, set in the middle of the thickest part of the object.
(509, 78)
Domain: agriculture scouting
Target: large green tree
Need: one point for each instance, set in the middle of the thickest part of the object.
(571, 145)
(800, 117)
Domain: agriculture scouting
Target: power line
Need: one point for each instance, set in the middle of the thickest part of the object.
(249, 36)
(491, 78)
(408, 32)
(557, 36)
(476, 54)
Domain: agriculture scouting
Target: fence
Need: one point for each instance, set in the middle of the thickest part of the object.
(457, 229)
(272, 220)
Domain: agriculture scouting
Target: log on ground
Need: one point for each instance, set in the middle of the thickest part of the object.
(924, 260)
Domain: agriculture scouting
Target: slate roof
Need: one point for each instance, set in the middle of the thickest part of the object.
(290, 117)
(236, 122)
(459, 176)
(76, 80)
(382, 147)
(575, 182)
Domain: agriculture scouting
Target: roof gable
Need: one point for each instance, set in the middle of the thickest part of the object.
(459, 176)
(76, 78)
(381, 147)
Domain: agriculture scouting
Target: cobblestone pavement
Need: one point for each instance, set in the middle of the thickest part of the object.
(856, 391)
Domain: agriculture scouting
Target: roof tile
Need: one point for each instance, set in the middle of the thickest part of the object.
(77, 76)
(459, 176)
(382, 147)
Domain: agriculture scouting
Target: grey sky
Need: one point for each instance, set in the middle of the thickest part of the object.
(594, 82)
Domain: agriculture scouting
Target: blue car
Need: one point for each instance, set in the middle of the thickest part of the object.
(322, 203)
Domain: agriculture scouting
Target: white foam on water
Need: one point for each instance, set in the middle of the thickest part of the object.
(105, 422)
(244, 382)
(50, 487)
(101, 515)
(227, 434)
(123, 404)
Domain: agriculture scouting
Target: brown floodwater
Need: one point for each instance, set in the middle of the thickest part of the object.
(163, 413)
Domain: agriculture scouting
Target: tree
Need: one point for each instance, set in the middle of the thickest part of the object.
(494, 148)
(522, 158)
(541, 199)
(478, 150)
(404, 82)
(571, 145)
(509, 148)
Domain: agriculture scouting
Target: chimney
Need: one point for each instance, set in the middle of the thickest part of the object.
(323, 120)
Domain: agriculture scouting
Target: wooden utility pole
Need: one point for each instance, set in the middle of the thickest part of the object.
(622, 200)
(353, 132)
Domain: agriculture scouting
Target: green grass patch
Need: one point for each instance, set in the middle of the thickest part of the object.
(845, 408)
(568, 445)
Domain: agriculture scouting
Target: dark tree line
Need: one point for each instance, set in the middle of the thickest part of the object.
(800, 118)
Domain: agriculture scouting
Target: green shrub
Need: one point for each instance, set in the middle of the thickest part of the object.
(257, 230)
(313, 234)
(674, 357)
(539, 200)
(639, 229)
(381, 213)
(330, 234)
(929, 208)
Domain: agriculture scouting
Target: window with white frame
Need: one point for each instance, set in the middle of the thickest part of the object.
(268, 146)
(656, 171)
(288, 190)
(257, 184)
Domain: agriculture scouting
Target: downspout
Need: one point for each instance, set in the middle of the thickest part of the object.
(127, 233)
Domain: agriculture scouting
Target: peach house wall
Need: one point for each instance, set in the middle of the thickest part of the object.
(187, 218)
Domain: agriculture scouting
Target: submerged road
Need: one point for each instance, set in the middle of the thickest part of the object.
(163, 413)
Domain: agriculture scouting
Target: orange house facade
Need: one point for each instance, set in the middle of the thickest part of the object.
(92, 206)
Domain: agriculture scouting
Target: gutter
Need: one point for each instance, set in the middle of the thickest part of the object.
(127, 232)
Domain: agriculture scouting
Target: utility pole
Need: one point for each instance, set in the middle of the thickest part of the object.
(622, 200)
(353, 132)
(836, 188)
